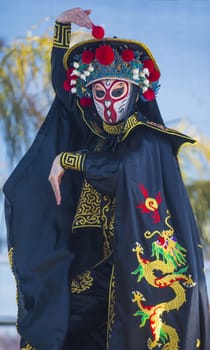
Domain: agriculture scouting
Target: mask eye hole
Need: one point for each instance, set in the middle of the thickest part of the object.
(99, 91)
(119, 90)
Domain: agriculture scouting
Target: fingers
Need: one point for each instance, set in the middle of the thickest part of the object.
(56, 189)
(77, 16)
(55, 177)
(82, 18)
(88, 12)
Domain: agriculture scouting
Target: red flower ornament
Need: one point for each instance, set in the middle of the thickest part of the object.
(87, 56)
(149, 95)
(149, 64)
(66, 85)
(98, 32)
(127, 55)
(154, 75)
(104, 55)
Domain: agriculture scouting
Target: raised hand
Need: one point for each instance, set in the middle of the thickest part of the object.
(77, 16)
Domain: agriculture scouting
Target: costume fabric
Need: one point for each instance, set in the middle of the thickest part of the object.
(119, 265)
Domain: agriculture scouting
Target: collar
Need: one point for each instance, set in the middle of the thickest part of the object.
(125, 128)
(122, 128)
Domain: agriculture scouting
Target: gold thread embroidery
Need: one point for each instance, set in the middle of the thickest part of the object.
(111, 306)
(10, 255)
(62, 35)
(170, 259)
(74, 161)
(89, 207)
(107, 217)
(82, 282)
(198, 343)
(113, 129)
(28, 347)
(99, 145)
(11, 262)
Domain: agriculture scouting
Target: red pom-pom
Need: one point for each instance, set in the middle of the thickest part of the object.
(149, 64)
(66, 85)
(87, 56)
(98, 32)
(85, 101)
(149, 95)
(154, 76)
(105, 55)
(127, 55)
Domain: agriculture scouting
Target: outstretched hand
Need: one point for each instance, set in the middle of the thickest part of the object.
(77, 16)
(55, 177)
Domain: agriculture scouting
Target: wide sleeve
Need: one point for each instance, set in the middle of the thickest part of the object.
(100, 169)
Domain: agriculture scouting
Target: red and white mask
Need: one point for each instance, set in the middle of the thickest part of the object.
(111, 98)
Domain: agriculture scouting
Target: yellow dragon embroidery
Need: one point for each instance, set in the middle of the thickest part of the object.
(170, 260)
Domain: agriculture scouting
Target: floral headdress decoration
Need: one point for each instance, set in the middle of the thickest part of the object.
(114, 58)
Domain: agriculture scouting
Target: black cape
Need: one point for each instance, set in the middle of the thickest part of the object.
(150, 292)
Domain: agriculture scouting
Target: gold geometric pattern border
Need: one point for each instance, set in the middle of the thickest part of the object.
(62, 33)
(74, 161)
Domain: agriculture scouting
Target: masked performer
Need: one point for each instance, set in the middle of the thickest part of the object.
(117, 262)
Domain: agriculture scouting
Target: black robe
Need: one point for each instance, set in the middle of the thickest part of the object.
(148, 289)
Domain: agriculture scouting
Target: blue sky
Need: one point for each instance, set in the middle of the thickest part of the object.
(176, 31)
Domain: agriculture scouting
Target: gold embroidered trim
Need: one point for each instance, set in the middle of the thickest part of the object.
(74, 161)
(107, 217)
(111, 312)
(113, 129)
(198, 343)
(82, 282)
(10, 256)
(11, 262)
(99, 145)
(62, 34)
(28, 347)
(89, 208)
(133, 121)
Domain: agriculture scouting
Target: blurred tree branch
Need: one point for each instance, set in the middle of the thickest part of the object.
(199, 193)
(25, 89)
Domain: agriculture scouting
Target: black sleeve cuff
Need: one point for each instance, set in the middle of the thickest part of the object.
(73, 161)
(62, 34)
